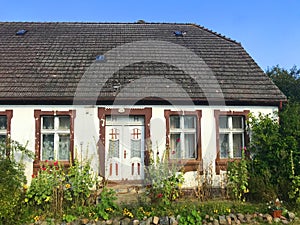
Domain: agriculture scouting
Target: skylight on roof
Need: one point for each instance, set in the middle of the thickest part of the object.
(21, 32)
(100, 58)
(179, 33)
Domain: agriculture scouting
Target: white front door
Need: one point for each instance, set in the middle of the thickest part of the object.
(124, 147)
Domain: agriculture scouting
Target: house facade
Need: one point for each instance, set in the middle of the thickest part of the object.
(120, 94)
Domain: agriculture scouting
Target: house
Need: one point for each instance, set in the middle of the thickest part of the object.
(113, 93)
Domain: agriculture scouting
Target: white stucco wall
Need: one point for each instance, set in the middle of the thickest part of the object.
(86, 130)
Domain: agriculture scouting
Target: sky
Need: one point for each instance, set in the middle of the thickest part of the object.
(269, 30)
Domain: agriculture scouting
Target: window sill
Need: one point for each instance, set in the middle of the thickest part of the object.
(221, 164)
(38, 164)
(188, 164)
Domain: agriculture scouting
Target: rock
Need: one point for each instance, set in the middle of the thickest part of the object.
(84, 221)
(109, 222)
(155, 220)
(116, 222)
(248, 218)
(232, 216)
(291, 215)
(276, 220)
(269, 218)
(216, 222)
(100, 222)
(135, 222)
(240, 216)
(164, 220)
(173, 221)
(125, 221)
(148, 221)
(228, 219)
(285, 222)
(222, 220)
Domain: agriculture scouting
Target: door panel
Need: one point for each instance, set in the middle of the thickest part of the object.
(124, 149)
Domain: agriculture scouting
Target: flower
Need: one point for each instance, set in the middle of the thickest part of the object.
(68, 186)
(36, 218)
(55, 163)
(159, 195)
(276, 205)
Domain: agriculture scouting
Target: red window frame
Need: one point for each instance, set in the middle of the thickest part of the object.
(188, 164)
(221, 163)
(37, 163)
(9, 115)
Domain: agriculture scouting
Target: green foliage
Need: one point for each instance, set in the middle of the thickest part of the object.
(287, 81)
(190, 217)
(55, 190)
(270, 163)
(69, 218)
(12, 181)
(106, 205)
(164, 183)
(238, 177)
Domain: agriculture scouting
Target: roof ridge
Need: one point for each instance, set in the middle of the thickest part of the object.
(215, 33)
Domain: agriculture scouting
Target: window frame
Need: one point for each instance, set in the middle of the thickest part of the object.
(9, 115)
(38, 114)
(221, 163)
(188, 164)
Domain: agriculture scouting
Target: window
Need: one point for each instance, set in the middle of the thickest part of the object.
(183, 138)
(54, 136)
(231, 136)
(5, 120)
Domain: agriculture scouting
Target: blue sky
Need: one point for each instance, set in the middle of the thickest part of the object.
(268, 29)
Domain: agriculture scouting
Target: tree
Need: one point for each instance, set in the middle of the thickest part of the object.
(288, 81)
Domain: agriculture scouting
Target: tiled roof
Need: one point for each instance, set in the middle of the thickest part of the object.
(53, 62)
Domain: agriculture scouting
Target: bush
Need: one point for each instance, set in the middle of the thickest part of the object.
(12, 181)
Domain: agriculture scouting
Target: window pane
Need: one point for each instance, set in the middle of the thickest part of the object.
(189, 122)
(136, 148)
(113, 148)
(48, 122)
(174, 122)
(237, 145)
(223, 122)
(237, 122)
(64, 147)
(2, 138)
(3, 123)
(224, 146)
(175, 149)
(48, 147)
(190, 146)
(64, 122)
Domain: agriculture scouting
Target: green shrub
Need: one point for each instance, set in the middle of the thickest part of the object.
(238, 178)
(12, 181)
